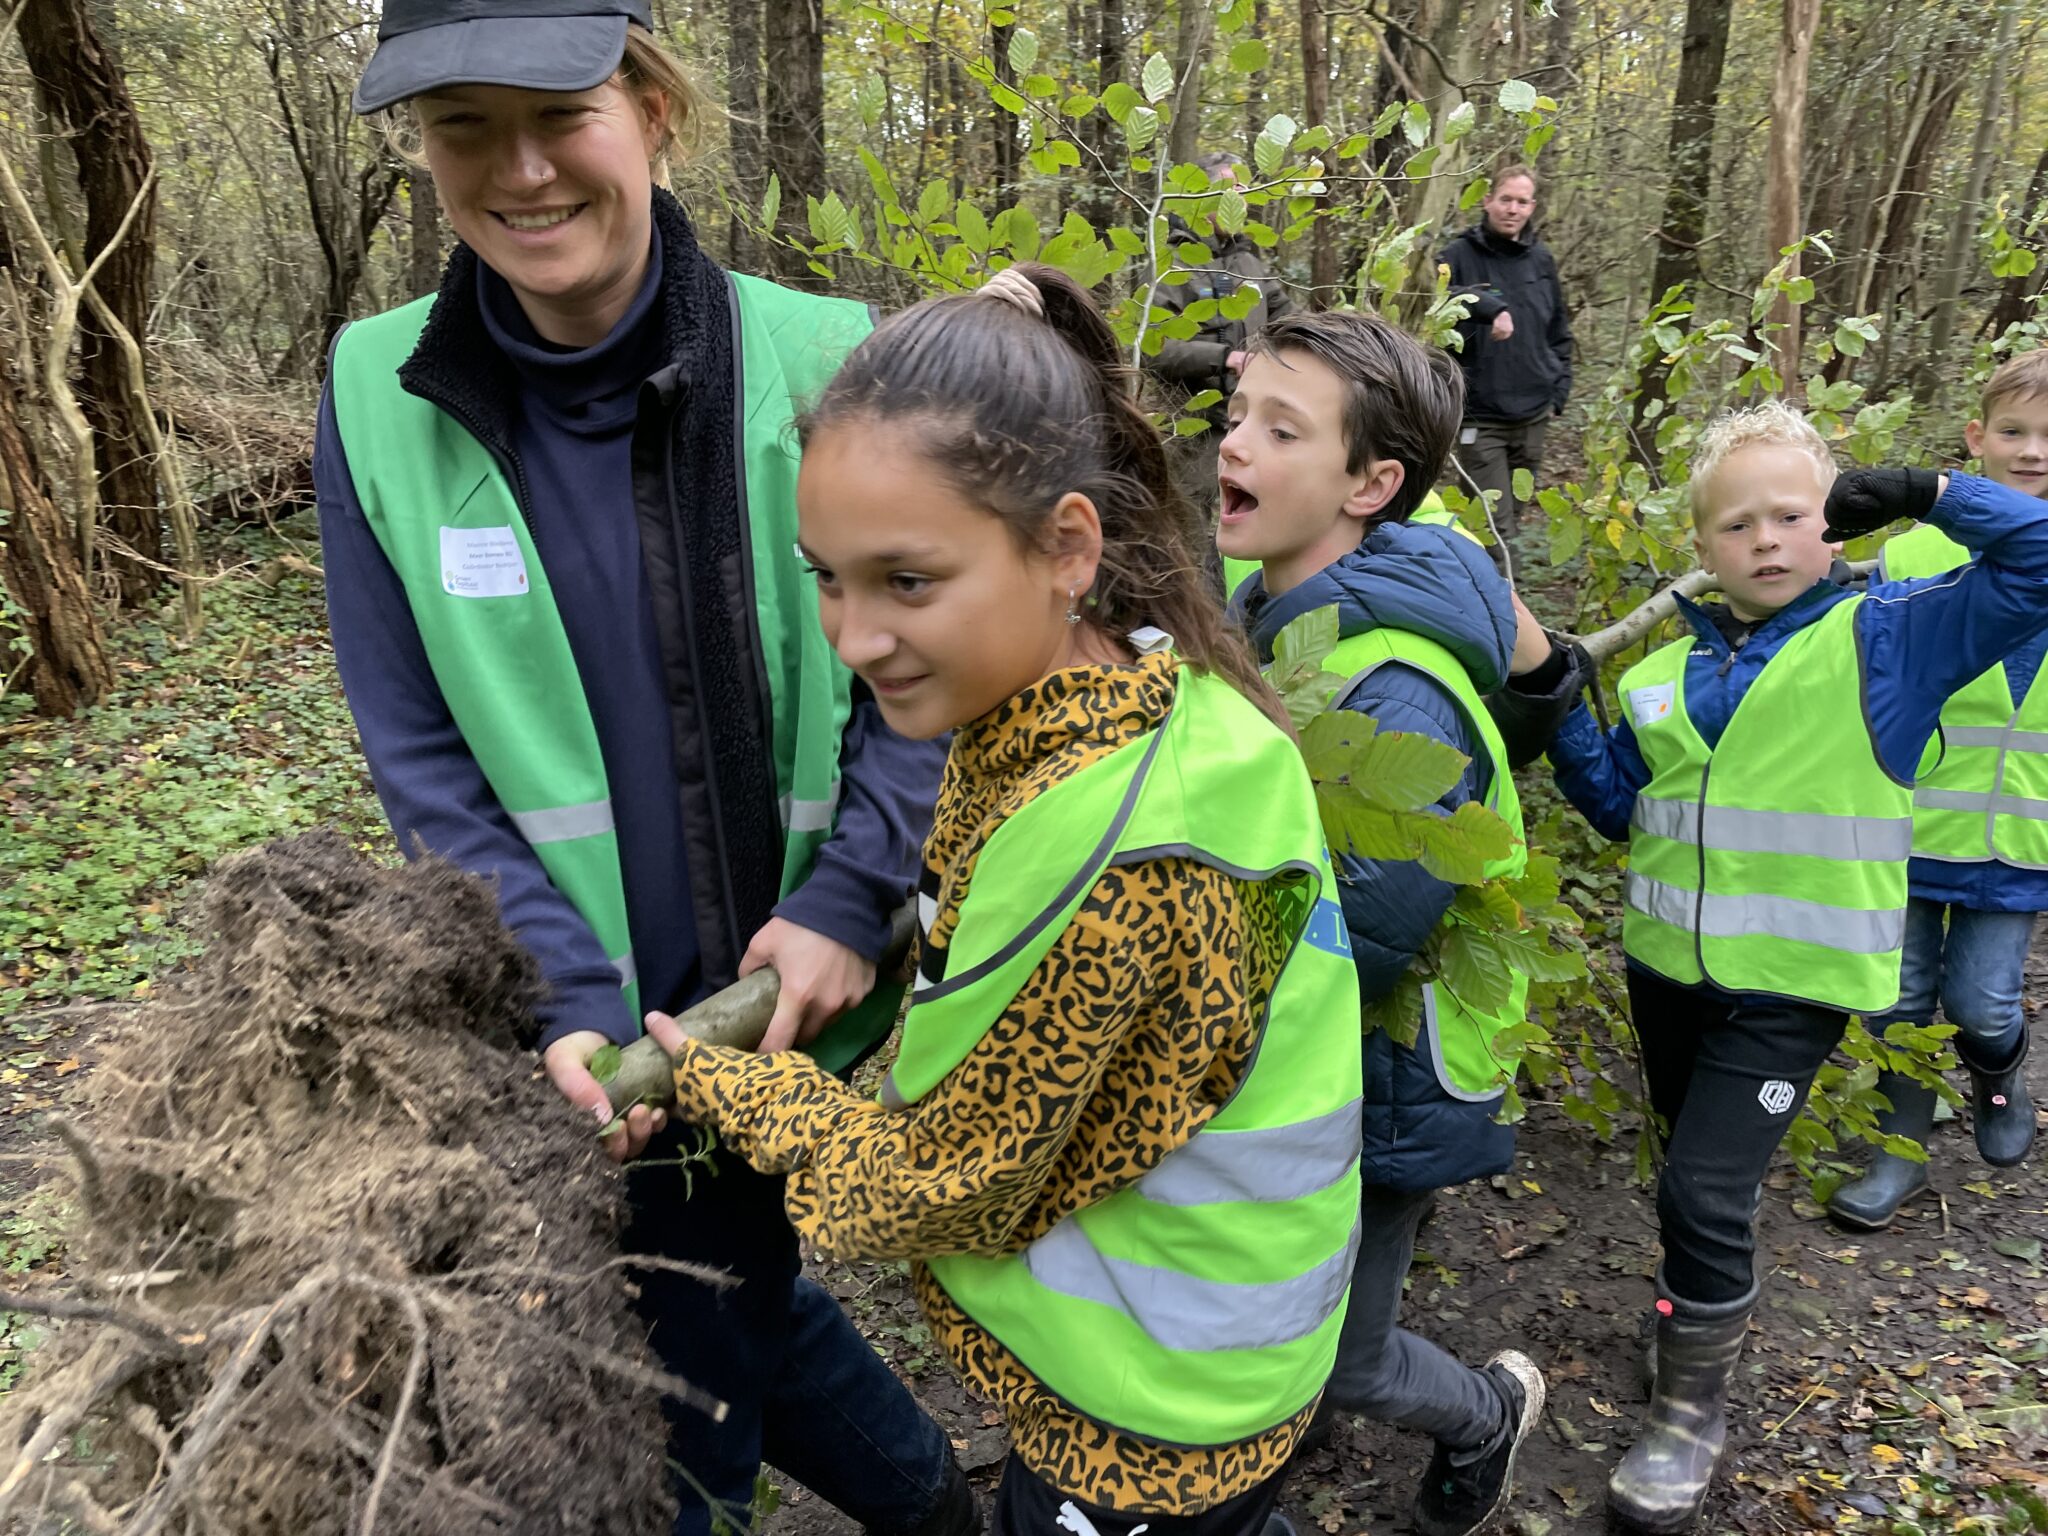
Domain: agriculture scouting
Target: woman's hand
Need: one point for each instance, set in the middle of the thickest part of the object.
(568, 1067)
(821, 979)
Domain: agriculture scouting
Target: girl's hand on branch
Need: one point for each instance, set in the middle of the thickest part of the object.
(568, 1067)
(821, 978)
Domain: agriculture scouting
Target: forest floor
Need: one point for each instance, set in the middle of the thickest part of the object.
(1895, 1382)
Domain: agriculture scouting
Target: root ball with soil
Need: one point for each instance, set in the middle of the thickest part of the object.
(343, 1259)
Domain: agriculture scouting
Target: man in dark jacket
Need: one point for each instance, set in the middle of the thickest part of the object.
(1213, 357)
(1517, 353)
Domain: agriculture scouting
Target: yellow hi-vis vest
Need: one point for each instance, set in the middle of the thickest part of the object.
(1774, 861)
(1987, 799)
(1199, 1305)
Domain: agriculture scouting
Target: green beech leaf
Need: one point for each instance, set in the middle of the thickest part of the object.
(604, 1063)
(1119, 100)
(1307, 640)
(1157, 79)
(1518, 97)
(1524, 483)
(771, 202)
(1475, 968)
(1250, 56)
(1405, 770)
(1023, 50)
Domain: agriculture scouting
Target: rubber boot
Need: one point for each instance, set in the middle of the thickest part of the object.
(1646, 1330)
(1662, 1482)
(1869, 1203)
(2001, 1112)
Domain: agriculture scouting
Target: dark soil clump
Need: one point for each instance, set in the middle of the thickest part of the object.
(333, 1220)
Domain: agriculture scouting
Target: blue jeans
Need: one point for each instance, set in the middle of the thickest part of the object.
(807, 1393)
(1972, 964)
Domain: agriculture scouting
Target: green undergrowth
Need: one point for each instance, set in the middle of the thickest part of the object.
(203, 748)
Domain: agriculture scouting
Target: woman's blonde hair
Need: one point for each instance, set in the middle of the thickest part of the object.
(647, 68)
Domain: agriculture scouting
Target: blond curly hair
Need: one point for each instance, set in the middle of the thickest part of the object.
(1771, 421)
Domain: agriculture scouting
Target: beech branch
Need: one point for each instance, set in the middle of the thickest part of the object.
(1626, 631)
(736, 1016)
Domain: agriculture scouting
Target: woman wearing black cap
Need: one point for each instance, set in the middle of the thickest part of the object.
(557, 513)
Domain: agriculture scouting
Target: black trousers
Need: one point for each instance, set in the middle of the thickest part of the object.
(1727, 1071)
(1491, 451)
(1027, 1505)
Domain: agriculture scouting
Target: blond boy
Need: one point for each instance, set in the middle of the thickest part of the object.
(1762, 773)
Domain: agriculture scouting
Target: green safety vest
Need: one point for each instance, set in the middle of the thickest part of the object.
(1987, 799)
(1457, 1038)
(1431, 510)
(451, 524)
(1776, 861)
(1199, 1306)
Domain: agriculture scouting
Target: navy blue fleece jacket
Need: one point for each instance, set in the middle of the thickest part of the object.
(574, 440)
(1921, 641)
(1444, 588)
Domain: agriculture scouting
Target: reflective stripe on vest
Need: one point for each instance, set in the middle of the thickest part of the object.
(1749, 867)
(1457, 1040)
(1216, 1282)
(1986, 800)
(502, 660)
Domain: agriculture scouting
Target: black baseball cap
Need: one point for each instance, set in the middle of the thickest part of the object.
(540, 45)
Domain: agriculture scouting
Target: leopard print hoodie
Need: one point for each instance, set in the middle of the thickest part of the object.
(1131, 1033)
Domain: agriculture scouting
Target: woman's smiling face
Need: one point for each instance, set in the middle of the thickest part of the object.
(552, 190)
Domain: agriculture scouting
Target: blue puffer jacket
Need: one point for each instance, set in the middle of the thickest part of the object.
(1445, 589)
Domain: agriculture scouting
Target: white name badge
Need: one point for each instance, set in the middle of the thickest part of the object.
(482, 562)
(1649, 705)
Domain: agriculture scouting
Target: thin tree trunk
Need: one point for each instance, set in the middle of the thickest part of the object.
(793, 110)
(1881, 218)
(85, 91)
(2016, 296)
(1690, 165)
(1191, 39)
(67, 665)
(1097, 201)
(1962, 235)
(1002, 128)
(423, 243)
(743, 107)
(1255, 108)
(1557, 50)
(1315, 79)
(1782, 202)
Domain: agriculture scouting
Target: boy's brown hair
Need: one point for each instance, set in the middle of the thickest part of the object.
(2017, 378)
(1402, 400)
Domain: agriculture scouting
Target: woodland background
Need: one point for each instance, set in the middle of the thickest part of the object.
(1845, 202)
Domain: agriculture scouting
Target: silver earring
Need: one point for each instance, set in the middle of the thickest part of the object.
(1073, 605)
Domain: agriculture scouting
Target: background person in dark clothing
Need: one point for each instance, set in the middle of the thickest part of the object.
(1517, 355)
(1212, 358)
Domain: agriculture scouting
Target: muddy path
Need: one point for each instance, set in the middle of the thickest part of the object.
(1891, 1377)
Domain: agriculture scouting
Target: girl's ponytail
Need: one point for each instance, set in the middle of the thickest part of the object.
(1020, 403)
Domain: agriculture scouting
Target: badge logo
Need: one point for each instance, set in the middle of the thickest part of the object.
(1776, 1096)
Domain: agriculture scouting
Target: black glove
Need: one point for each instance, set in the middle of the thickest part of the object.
(1865, 500)
(1528, 710)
